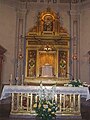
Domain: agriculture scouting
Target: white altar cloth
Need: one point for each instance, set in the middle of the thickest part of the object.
(8, 89)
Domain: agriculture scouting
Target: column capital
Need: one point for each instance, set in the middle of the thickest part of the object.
(21, 12)
(74, 12)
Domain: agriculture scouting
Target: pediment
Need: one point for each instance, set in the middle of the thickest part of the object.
(48, 23)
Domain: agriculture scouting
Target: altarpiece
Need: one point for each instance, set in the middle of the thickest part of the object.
(47, 62)
(47, 50)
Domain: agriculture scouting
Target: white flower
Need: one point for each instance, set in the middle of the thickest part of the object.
(49, 109)
(80, 86)
(70, 85)
(79, 80)
(75, 80)
(45, 106)
(53, 112)
(65, 84)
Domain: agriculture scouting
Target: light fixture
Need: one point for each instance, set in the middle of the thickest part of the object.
(75, 56)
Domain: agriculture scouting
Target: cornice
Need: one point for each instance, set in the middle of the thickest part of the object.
(85, 5)
(63, 4)
(24, 3)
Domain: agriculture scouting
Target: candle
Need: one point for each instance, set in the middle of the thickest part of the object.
(22, 79)
(10, 79)
(17, 80)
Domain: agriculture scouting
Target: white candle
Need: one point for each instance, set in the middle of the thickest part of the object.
(10, 79)
(22, 79)
(17, 80)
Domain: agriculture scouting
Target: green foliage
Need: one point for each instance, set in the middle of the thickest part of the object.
(45, 109)
(75, 83)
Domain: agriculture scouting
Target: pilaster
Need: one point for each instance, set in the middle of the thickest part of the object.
(75, 41)
(21, 17)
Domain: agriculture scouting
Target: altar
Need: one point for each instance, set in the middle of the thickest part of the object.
(47, 51)
(24, 98)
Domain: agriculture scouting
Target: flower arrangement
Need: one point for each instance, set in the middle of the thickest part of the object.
(45, 109)
(74, 83)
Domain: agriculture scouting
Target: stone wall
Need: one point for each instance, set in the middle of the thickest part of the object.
(7, 39)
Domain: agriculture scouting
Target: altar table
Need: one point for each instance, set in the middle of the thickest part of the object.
(8, 89)
(24, 98)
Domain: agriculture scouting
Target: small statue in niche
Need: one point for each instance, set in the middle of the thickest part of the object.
(48, 23)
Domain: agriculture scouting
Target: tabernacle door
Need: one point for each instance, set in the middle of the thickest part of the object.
(47, 63)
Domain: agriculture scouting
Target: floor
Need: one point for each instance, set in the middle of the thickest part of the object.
(4, 115)
(85, 113)
(6, 118)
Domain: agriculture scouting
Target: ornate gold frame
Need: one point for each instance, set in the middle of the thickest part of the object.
(56, 39)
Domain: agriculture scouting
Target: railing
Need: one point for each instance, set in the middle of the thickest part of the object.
(22, 103)
(24, 98)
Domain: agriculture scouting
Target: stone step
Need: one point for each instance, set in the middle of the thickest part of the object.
(33, 117)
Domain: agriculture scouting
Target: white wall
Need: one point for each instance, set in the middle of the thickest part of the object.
(85, 44)
(36, 8)
(7, 39)
(8, 29)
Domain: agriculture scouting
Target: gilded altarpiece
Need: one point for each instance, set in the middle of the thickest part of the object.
(31, 63)
(47, 50)
(47, 63)
(62, 63)
(47, 59)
